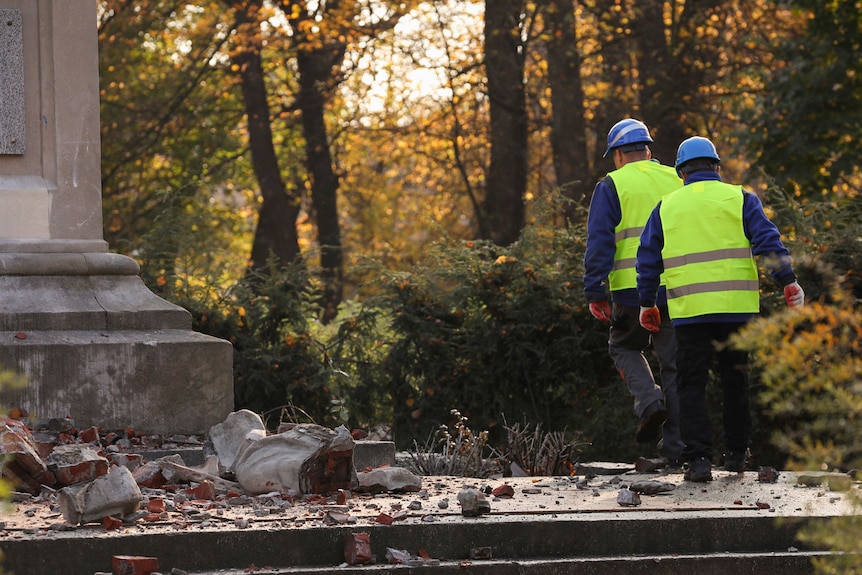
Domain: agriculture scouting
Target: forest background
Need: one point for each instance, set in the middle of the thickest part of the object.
(382, 204)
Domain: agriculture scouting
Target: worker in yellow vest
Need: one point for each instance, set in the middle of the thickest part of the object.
(620, 205)
(702, 240)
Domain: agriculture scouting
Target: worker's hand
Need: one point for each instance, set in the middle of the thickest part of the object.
(793, 295)
(650, 318)
(601, 310)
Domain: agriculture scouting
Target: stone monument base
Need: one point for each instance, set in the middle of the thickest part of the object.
(96, 345)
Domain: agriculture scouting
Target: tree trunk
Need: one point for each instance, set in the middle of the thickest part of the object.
(315, 73)
(661, 96)
(568, 124)
(617, 61)
(506, 180)
(276, 227)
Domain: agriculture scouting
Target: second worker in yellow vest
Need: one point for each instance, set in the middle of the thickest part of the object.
(701, 241)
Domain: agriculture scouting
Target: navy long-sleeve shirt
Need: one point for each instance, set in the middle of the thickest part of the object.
(765, 241)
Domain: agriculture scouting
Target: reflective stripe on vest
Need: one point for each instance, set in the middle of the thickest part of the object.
(708, 263)
(640, 186)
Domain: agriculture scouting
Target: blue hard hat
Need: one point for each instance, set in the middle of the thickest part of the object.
(628, 131)
(695, 148)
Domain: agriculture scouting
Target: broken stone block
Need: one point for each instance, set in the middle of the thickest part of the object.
(76, 463)
(134, 565)
(115, 493)
(369, 454)
(228, 439)
(307, 459)
(357, 549)
(628, 498)
(24, 468)
(473, 502)
(388, 479)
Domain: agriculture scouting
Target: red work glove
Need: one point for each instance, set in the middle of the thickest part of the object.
(650, 318)
(601, 310)
(793, 295)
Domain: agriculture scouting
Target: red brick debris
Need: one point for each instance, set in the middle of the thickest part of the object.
(134, 565)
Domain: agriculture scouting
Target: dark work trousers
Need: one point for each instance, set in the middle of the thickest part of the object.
(627, 343)
(697, 346)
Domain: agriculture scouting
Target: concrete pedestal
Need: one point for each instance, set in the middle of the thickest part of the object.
(96, 345)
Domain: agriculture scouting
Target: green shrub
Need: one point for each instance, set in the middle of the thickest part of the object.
(499, 332)
(809, 364)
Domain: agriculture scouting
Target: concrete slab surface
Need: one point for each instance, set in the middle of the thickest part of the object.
(555, 518)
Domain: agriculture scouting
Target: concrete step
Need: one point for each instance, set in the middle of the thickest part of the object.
(517, 544)
(797, 563)
(734, 524)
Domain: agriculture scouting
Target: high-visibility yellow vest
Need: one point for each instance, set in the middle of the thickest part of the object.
(640, 186)
(708, 265)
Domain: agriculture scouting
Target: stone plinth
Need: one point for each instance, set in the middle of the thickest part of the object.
(96, 345)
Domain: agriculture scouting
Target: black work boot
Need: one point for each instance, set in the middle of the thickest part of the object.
(650, 424)
(735, 460)
(699, 470)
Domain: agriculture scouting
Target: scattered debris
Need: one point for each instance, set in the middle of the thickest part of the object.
(504, 490)
(388, 479)
(628, 498)
(76, 463)
(308, 458)
(112, 494)
(228, 439)
(651, 487)
(397, 556)
(357, 549)
(168, 494)
(473, 502)
(834, 481)
(402, 557)
(134, 565)
(767, 475)
(25, 469)
(645, 465)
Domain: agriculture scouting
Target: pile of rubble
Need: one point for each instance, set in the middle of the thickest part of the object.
(91, 475)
